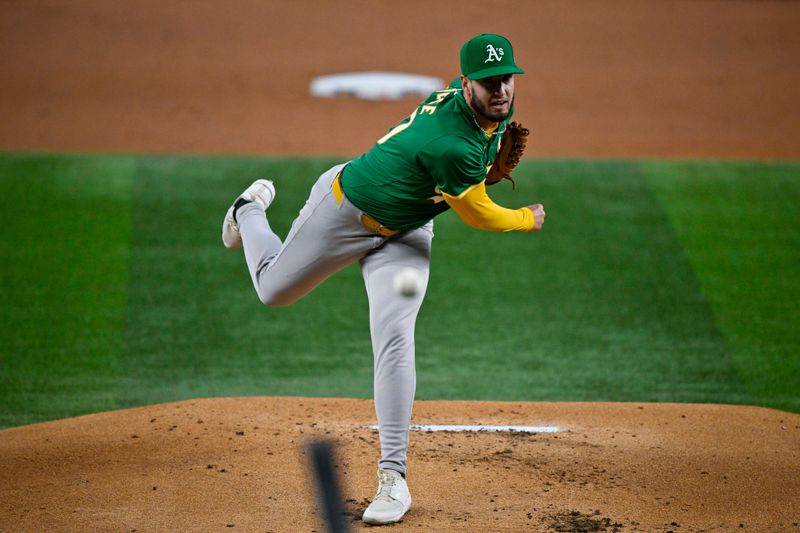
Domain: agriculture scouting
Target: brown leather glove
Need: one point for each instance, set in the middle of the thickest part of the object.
(512, 145)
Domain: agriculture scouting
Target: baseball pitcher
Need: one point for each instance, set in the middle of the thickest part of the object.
(378, 209)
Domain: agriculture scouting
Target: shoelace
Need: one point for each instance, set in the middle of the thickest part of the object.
(385, 486)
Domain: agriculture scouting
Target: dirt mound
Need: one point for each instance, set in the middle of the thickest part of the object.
(238, 464)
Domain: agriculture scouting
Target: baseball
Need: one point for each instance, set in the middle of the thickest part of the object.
(408, 282)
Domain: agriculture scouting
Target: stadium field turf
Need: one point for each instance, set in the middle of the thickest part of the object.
(652, 281)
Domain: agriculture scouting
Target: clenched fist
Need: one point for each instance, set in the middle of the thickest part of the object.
(538, 216)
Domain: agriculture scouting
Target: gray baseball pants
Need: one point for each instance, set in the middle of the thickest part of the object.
(324, 238)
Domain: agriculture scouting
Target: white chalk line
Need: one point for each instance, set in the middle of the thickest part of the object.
(481, 428)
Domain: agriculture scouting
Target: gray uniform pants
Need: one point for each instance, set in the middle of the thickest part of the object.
(324, 238)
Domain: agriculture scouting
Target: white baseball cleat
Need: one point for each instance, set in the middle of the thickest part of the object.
(391, 501)
(261, 192)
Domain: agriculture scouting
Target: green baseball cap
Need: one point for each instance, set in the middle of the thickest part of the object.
(488, 55)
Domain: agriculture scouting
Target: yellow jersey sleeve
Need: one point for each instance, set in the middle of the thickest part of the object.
(476, 209)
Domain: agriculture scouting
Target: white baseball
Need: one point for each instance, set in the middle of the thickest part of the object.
(408, 282)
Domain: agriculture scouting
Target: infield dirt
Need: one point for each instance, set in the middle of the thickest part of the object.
(628, 79)
(239, 464)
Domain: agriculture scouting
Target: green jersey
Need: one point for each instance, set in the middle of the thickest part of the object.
(438, 148)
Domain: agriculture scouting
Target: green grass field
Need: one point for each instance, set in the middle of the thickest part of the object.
(652, 281)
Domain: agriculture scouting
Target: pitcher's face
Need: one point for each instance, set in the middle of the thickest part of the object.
(490, 98)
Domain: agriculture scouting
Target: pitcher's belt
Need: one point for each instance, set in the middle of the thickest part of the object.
(366, 220)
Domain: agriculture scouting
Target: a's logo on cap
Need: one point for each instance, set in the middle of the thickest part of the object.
(495, 54)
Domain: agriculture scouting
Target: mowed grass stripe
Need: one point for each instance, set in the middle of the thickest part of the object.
(601, 305)
(195, 326)
(738, 223)
(65, 245)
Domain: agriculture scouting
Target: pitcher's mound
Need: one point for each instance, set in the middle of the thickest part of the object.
(238, 465)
